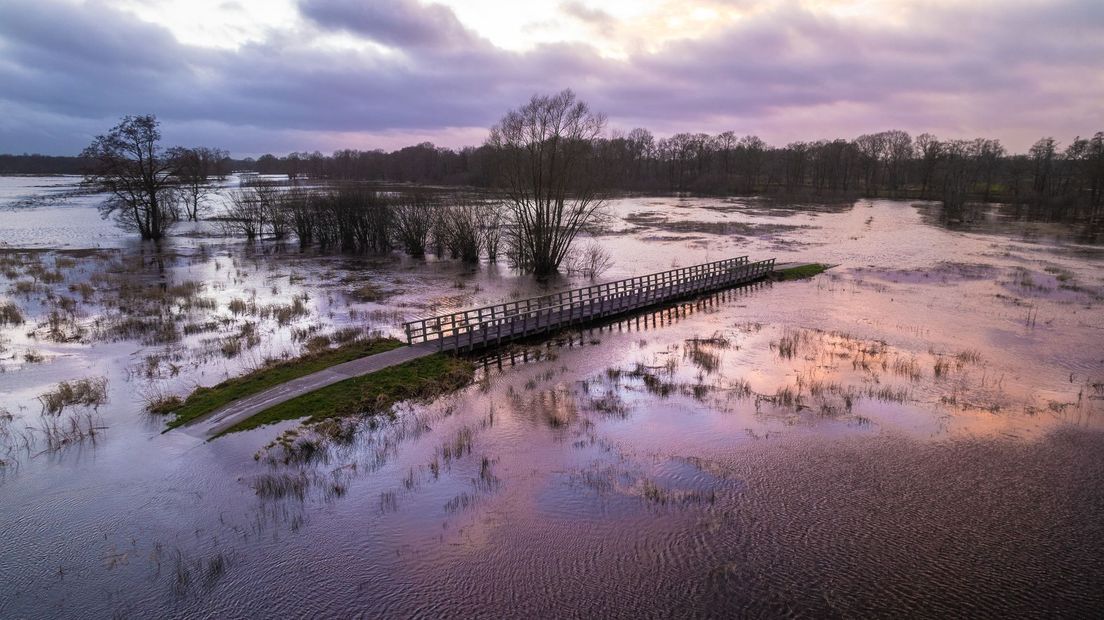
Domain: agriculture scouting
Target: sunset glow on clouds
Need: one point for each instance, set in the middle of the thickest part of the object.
(255, 76)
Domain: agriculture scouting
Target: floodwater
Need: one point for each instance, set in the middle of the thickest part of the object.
(916, 432)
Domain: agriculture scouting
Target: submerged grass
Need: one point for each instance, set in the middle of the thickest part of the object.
(87, 392)
(10, 314)
(204, 400)
(371, 394)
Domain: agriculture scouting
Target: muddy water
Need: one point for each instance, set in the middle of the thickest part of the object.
(918, 431)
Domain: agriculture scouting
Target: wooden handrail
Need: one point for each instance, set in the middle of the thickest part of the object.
(557, 309)
(600, 289)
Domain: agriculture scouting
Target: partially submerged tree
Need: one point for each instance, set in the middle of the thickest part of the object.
(245, 216)
(302, 215)
(551, 180)
(140, 177)
(591, 261)
(194, 169)
(414, 218)
(491, 220)
(463, 225)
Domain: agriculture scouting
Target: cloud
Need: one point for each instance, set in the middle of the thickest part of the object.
(588, 15)
(354, 73)
(397, 23)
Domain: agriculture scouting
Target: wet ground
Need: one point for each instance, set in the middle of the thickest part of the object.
(915, 432)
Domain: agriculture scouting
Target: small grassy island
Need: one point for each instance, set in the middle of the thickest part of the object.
(800, 272)
(372, 394)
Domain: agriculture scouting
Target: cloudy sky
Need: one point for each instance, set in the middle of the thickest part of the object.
(257, 76)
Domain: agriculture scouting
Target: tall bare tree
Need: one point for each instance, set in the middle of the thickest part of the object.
(140, 177)
(551, 181)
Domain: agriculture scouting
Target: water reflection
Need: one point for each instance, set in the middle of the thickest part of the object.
(914, 431)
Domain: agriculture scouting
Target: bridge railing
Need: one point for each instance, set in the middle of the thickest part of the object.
(556, 317)
(515, 318)
(431, 328)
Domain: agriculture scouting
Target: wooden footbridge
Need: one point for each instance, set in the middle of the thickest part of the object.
(492, 325)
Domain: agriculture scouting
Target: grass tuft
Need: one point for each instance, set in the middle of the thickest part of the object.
(88, 392)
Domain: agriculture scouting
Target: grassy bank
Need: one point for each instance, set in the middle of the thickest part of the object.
(204, 400)
(419, 379)
(800, 272)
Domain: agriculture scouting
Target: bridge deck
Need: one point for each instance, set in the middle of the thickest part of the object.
(492, 325)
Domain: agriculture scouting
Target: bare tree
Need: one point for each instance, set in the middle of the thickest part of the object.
(275, 214)
(462, 223)
(415, 216)
(194, 167)
(1043, 154)
(128, 164)
(491, 222)
(958, 176)
(898, 152)
(989, 154)
(930, 150)
(591, 261)
(356, 220)
(302, 213)
(245, 215)
(872, 150)
(1086, 157)
(551, 182)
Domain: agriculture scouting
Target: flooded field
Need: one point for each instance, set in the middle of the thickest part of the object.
(917, 431)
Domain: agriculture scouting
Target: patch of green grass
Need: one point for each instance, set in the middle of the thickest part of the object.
(372, 394)
(800, 272)
(204, 400)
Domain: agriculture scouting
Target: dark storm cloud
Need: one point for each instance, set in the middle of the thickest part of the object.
(90, 60)
(68, 71)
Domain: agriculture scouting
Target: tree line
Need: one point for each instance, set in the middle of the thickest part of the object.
(354, 218)
(1067, 179)
(358, 219)
(549, 167)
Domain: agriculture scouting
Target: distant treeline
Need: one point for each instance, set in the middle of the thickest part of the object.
(1068, 180)
(41, 164)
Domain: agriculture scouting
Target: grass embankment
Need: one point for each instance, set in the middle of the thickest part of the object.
(205, 400)
(800, 272)
(372, 394)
